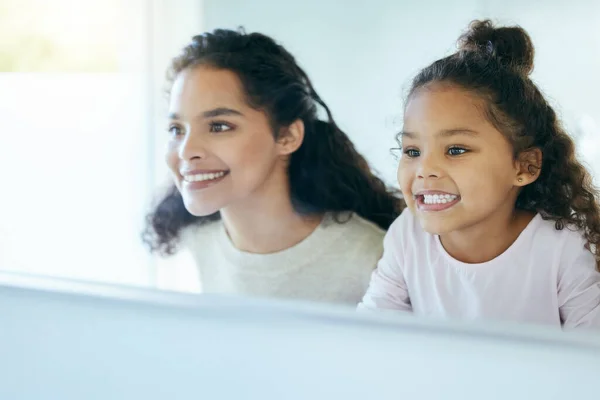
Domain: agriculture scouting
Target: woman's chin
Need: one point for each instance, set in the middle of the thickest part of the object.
(201, 210)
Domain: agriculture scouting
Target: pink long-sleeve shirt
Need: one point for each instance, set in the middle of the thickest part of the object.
(546, 276)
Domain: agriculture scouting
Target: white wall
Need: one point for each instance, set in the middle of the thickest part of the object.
(567, 42)
(361, 55)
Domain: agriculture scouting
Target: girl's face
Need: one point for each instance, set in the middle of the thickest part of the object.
(457, 170)
(221, 151)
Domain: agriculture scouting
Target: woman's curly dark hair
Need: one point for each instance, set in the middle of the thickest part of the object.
(326, 173)
(495, 63)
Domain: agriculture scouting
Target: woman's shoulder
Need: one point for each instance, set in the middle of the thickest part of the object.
(353, 226)
(349, 246)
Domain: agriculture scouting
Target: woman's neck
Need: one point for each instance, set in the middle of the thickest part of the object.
(488, 239)
(267, 223)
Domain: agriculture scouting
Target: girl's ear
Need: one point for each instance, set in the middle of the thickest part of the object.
(529, 166)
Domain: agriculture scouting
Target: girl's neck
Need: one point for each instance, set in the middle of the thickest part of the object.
(488, 239)
(267, 222)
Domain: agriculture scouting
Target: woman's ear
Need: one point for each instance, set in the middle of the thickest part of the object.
(529, 166)
(291, 138)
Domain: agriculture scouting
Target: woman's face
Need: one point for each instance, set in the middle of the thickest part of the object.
(221, 151)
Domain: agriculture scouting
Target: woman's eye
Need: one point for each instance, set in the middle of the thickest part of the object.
(412, 153)
(456, 151)
(217, 127)
(175, 130)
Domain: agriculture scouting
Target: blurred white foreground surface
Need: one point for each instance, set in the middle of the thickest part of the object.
(67, 340)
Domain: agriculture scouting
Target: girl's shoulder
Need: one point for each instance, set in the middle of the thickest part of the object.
(547, 232)
(406, 222)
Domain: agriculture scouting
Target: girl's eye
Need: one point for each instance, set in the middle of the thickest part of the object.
(456, 151)
(218, 127)
(412, 153)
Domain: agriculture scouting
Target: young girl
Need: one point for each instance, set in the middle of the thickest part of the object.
(270, 200)
(503, 221)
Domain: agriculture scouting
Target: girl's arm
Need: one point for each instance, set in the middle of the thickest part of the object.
(579, 291)
(387, 290)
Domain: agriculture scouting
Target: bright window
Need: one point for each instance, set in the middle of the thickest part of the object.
(80, 85)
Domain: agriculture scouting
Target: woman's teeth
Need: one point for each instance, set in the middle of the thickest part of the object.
(203, 177)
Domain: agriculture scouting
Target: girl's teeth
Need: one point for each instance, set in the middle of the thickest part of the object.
(438, 198)
(203, 177)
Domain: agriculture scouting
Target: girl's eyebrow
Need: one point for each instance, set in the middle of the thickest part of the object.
(444, 132)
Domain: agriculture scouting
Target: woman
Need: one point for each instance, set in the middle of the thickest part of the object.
(270, 200)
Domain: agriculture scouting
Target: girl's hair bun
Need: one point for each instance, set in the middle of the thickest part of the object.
(511, 46)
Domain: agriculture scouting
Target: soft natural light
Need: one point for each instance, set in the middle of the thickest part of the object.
(81, 97)
(74, 151)
(82, 105)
